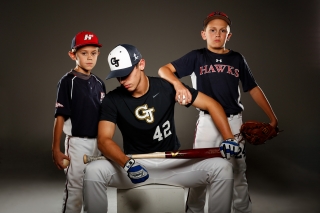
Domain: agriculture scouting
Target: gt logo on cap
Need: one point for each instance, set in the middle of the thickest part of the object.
(122, 60)
(114, 61)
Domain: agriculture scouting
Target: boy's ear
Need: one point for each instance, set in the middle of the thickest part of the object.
(203, 35)
(229, 36)
(142, 64)
(72, 55)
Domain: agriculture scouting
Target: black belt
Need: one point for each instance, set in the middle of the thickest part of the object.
(227, 114)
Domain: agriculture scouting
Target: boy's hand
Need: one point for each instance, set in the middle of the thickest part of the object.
(229, 148)
(183, 95)
(136, 172)
(58, 157)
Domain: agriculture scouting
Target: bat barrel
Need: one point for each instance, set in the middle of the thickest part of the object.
(195, 153)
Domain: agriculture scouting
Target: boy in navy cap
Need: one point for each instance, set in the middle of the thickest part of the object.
(143, 109)
(79, 96)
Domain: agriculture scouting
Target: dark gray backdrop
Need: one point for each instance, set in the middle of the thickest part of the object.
(280, 40)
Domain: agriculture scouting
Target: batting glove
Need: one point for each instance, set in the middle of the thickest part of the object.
(229, 148)
(136, 172)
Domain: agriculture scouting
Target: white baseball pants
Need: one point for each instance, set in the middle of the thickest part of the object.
(207, 135)
(216, 173)
(75, 148)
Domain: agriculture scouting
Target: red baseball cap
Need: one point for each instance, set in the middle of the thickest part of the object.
(216, 15)
(85, 38)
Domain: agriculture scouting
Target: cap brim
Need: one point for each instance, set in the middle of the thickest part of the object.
(82, 45)
(120, 73)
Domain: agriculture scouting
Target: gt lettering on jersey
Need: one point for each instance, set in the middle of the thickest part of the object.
(143, 113)
(219, 68)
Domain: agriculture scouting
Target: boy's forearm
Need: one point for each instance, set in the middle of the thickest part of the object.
(107, 145)
(221, 122)
(216, 112)
(57, 133)
(259, 97)
(112, 151)
(167, 72)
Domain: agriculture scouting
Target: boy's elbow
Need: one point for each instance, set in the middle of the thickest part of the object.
(255, 91)
(100, 141)
(168, 68)
(162, 71)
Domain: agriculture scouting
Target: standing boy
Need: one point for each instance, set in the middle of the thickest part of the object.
(79, 96)
(143, 109)
(217, 71)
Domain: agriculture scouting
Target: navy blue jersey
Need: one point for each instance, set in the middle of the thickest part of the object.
(79, 98)
(217, 75)
(146, 123)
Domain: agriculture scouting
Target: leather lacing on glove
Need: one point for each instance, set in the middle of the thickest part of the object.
(257, 133)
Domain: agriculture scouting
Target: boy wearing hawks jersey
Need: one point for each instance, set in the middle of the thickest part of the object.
(79, 96)
(216, 71)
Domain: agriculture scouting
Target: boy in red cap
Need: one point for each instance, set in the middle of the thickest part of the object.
(79, 96)
(217, 71)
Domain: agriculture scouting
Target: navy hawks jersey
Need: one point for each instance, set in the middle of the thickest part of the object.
(146, 123)
(79, 99)
(217, 75)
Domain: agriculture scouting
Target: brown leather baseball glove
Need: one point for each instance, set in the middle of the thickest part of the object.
(257, 133)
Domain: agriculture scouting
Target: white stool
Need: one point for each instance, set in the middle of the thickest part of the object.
(151, 199)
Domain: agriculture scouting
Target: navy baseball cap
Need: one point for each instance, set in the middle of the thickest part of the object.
(122, 60)
(216, 15)
(85, 38)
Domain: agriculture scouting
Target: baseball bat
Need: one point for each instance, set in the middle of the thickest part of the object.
(182, 154)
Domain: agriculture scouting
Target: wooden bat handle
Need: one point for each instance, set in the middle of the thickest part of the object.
(148, 155)
(88, 159)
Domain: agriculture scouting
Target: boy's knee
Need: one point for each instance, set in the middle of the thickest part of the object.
(93, 171)
(223, 169)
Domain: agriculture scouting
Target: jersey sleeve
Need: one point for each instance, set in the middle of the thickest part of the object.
(194, 94)
(185, 65)
(246, 77)
(108, 109)
(63, 101)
